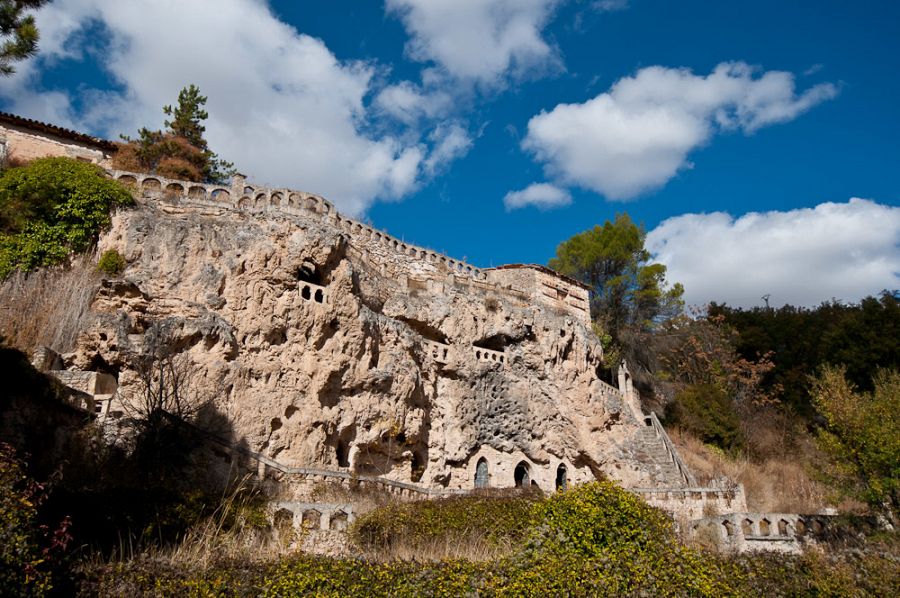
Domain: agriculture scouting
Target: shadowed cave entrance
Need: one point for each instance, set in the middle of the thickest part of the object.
(561, 477)
(521, 475)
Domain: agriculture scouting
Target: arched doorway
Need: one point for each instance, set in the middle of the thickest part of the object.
(481, 473)
(561, 477)
(521, 475)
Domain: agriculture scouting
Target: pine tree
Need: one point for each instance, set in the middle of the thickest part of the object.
(18, 32)
(181, 151)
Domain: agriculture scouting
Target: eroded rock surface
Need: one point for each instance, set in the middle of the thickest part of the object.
(327, 344)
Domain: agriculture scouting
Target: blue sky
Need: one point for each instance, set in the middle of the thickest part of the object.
(738, 133)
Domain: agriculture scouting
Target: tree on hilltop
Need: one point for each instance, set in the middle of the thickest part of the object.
(631, 297)
(18, 32)
(180, 151)
(629, 291)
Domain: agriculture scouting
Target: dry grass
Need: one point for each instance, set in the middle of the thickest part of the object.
(784, 483)
(238, 531)
(465, 547)
(48, 307)
(364, 498)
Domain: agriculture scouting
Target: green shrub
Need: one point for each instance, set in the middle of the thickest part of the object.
(21, 573)
(490, 521)
(51, 208)
(707, 412)
(594, 540)
(111, 263)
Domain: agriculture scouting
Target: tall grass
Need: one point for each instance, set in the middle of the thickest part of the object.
(50, 306)
(783, 483)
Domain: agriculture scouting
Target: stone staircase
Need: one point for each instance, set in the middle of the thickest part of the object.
(657, 452)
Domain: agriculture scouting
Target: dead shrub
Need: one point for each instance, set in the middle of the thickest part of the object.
(48, 307)
(781, 484)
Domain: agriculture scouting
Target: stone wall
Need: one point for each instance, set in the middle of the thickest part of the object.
(543, 286)
(19, 144)
(695, 503)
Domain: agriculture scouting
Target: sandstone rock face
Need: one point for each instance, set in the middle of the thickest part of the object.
(328, 344)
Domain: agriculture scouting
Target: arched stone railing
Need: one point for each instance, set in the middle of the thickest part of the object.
(489, 355)
(316, 516)
(749, 532)
(264, 200)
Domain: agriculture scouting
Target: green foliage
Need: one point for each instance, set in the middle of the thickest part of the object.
(595, 540)
(707, 412)
(862, 337)
(29, 552)
(51, 208)
(500, 520)
(19, 551)
(111, 263)
(18, 32)
(869, 573)
(629, 291)
(862, 433)
(180, 151)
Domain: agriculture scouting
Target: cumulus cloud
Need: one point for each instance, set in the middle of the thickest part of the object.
(281, 105)
(479, 40)
(540, 195)
(800, 257)
(636, 136)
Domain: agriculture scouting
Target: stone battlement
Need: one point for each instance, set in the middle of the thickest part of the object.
(408, 263)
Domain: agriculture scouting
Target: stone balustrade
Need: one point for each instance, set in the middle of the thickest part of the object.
(439, 352)
(489, 355)
(313, 515)
(749, 532)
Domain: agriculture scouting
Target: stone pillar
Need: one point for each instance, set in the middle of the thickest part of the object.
(238, 181)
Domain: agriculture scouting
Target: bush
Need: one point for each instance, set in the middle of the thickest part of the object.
(27, 549)
(51, 208)
(707, 412)
(476, 527)
(111, 263)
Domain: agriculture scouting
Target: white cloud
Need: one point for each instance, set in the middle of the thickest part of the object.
(281, 105)
(636, 136)
(450, 141)
(409, 103)
(541, 195)
(610, 5)
(479, 40)
(800, 257)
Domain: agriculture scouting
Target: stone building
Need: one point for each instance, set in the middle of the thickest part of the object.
(23, 139)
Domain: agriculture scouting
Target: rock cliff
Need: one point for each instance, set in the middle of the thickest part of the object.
(327, 344)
